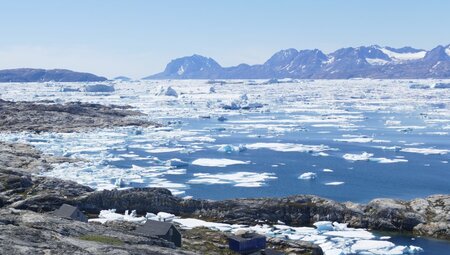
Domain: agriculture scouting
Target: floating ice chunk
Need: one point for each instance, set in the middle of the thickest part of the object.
(167, 91)
(392, 123)
(340, 226)
(326, 170)
(175, 162)
(352, 233)
(218, 162)
(334, 252)
(288, 147)
(69, 89)
(367, 245)
(388, 161)
(419, 86)
(414, 249)
(119, 183)
(361, 140)
(221, 118)
(99, 88)
(324, 225)
(308, 176)
(426, 151)
(389, 148)
(250, 106)
(243, 97)
(239, 179)
(442, 86)
(231, 106)
(163, 150)
(358, 157)
(334, 183)
(231, 148)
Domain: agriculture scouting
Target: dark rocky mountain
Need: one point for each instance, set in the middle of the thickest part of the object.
(361, 62)
(190, 67)
(42, 75)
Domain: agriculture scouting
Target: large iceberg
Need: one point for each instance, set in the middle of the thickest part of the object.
(99, 88)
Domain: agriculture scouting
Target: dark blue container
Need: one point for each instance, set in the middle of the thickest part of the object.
(247, 243)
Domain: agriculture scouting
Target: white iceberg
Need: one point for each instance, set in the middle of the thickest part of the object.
(99, 88)
(227, 148)
(218, 162)
(167, 91)
(358, 157)
(308, 176)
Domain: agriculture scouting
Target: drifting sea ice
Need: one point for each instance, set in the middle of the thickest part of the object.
(288, 147)
(308, 176)
(358, 157)
(426, 151)
(239, 179)
(218, 162)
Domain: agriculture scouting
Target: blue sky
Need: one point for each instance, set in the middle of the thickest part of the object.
(137, 38)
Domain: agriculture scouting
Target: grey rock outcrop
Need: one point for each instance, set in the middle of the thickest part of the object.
(27, 232)
(69, 117)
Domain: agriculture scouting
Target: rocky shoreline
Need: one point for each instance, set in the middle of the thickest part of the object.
(70, 117)
(26, 199)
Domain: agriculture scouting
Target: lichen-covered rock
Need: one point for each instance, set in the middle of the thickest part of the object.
(26, 232)
(69, 117)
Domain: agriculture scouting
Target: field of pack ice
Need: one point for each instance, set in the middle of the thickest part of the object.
(343, 139)
(259, 138)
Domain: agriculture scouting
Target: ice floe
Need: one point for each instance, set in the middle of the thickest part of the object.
(218, 162)
(334, 183)
(426, 151)
(307, 176)
(239, 179)
(365, 156)
(288, 147)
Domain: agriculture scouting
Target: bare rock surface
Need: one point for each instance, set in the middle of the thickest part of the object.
(69, 117)
(27, 232)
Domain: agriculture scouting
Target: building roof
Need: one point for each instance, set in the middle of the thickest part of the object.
(153, 227)
(66, 210)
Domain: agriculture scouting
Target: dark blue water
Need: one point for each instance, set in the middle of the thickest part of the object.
(421, 176)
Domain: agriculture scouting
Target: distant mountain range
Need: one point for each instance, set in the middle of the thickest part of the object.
(361, 62)
(42, 75)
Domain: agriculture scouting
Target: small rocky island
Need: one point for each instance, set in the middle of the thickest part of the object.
(27, 200)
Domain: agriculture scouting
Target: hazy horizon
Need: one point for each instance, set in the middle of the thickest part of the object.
(114, 38)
